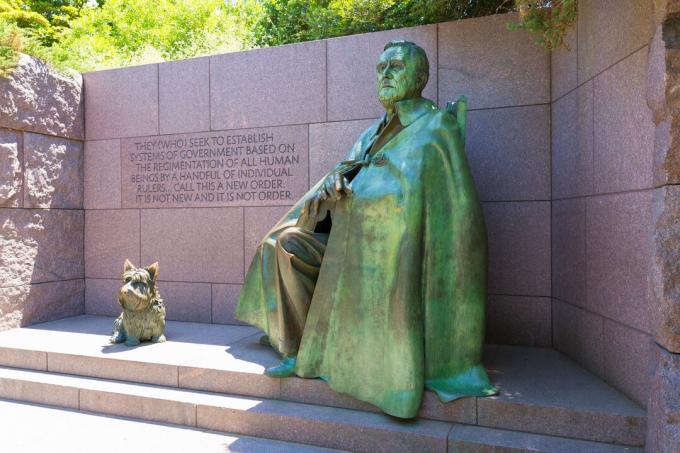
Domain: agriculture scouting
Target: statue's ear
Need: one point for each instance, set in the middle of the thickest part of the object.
(128, 266)
(153, 271)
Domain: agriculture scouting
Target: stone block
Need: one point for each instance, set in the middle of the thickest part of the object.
(53, 172)
(330, 143)
(491, 65)
(122, 102)
(509, 153)
(145, 372)
(518, 320)
(102, 174)
(579, 334)
(38, 392)
(38, 245)
(101, 296)
(665, 270)
(184, 96)
(609, 30)
(519, 248)
(619, 242)
(569, 250)
(563, 68)
(11, 169)
(39, 99)
(624, 130)
(572, 143)
(628, 364)
(224, 298)
(544, 392)
(351, 70)
(135, 406)
(195, 245)
(663, 435)
(22, 358)
(258, 222)
(230, 382)
(290, 87)
(53, 300)
(111, 237)
(190, 302)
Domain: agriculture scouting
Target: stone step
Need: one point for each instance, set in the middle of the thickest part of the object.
(286, 421)
(542, 391)
(105, 434)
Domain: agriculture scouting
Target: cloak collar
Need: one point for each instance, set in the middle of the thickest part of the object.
(409, 110)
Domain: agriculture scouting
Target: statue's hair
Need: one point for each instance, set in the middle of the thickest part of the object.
(419, 56)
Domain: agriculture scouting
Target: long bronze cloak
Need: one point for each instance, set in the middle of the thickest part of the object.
(399, 301)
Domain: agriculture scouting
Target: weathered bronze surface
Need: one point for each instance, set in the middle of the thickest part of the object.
(143, 316)
(375, 281)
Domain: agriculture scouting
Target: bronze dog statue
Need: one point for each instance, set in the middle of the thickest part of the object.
(143, 317)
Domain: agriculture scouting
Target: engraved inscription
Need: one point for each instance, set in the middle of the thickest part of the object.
(249, 167)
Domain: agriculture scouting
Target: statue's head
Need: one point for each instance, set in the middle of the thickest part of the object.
(402, 72)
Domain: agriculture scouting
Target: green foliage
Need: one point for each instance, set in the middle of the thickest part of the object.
(126, 32)
(288, 21)
(549, 19)
(10, 46)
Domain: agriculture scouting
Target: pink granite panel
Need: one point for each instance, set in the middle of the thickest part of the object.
(509, 153)
(563, 68)
(224, 298)
(572, 143)
(121, 102)
(258, 221)
(53, 172)
(580, 335)
(101, 296)
(111, 237)
(329, 143)
(40, 245)
(184, 92)
(189, 302)
(518, 320)
(11, 169)
(628, 363)
(618, 252)
(519, 248)
(102, 174)
(268, 87)
(624, 130)
(195, 245)
(31, 304)
(569, 251)
(351, 70)
(609, 30)
(491, 65)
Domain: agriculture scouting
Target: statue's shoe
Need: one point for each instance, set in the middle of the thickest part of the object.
(285, 368)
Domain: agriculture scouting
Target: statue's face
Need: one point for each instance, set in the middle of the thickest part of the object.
(397, 77)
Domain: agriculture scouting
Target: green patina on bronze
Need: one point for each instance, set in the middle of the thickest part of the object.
(375, 280)
(143, 316)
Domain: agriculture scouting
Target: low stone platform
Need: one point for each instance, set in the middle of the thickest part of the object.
(211, 377)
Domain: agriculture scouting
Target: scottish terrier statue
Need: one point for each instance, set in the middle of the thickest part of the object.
(143, 317)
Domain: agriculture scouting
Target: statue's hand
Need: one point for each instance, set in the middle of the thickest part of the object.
(335, 187)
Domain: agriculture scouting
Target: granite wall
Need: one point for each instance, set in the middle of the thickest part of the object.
(603, 137)
(320, 95)
(41, 196)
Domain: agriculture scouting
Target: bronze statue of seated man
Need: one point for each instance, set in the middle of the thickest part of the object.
(375, 281)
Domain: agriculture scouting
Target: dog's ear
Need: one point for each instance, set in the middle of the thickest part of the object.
(153, 271)
(128, 266)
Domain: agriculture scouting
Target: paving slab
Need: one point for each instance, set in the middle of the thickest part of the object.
(542, 391)
(21, 422)
(280, 420)
(475, 439)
